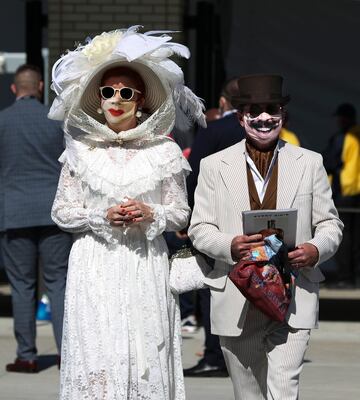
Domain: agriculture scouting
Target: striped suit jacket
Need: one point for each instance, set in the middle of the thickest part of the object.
(220, 197)
(30, 145)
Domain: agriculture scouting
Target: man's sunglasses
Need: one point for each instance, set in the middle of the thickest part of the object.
(255, 110)
(126, 93)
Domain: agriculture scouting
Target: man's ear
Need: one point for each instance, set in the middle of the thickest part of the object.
(240, 116)
(13, 88)
(222, 103)
(41, 86)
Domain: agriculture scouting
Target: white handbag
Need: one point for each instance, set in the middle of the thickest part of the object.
(188, 269)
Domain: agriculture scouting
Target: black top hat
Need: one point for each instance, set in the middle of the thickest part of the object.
(257, 89)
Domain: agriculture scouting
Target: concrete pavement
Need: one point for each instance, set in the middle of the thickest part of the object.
(331, 371)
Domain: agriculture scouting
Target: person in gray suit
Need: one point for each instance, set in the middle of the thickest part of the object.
(30, 145)
(264, 357)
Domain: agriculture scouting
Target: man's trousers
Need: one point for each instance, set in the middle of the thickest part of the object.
(265, 361)
(22, 250)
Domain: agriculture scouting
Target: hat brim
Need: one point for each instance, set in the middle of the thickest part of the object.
(155, 89)
(241, 101)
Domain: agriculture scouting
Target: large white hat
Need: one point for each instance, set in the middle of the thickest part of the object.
(156, 91)
(77, 74)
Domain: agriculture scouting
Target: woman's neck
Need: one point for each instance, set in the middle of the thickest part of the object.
(123, 126)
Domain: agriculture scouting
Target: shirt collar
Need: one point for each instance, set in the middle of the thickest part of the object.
(26, 97)
(226, 113)
(256, 171)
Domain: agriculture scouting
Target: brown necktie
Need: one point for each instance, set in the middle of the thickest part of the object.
(262, 159)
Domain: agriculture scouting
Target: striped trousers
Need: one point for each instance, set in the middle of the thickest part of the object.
(265, 361)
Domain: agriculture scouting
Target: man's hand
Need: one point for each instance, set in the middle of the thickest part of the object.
(241, 245)
(304, 255)
(130, 212)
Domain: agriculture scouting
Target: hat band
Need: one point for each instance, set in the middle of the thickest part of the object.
(270, 96)
(259, 98)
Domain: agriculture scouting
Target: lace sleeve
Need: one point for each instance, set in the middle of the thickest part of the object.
(68, 210)
(173, 212)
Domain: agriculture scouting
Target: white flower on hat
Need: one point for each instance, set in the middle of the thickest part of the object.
(102, 46)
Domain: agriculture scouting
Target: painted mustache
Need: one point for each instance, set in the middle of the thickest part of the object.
(265, 126)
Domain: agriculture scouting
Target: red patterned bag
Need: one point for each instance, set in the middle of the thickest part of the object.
(265, 283)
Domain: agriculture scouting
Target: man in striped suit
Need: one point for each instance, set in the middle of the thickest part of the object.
(264, 357)
(30, 145)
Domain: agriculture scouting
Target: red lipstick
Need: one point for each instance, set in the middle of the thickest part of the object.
(115, 113)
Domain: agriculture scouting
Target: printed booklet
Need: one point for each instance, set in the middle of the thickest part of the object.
(256, 220)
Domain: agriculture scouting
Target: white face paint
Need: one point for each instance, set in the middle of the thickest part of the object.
(262, 130)
(118, 112)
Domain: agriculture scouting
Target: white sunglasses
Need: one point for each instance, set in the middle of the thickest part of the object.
(126, 93)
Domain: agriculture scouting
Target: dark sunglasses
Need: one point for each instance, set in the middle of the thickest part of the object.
(256, 109)
(126, 93)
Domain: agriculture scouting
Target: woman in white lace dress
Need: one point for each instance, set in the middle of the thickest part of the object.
(121, 186)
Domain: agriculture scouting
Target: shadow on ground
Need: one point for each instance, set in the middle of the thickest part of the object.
(339, 310)
(5, 306)
(47, 361)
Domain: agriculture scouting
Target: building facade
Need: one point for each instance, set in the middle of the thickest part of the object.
(71, 21)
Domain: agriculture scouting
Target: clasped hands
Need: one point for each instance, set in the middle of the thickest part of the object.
(304, 255)
(128, 213)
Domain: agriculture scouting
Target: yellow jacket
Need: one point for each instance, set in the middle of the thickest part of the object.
(289, 137)
(350, 172)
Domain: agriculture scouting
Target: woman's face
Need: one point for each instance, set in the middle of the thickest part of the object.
(120, 112)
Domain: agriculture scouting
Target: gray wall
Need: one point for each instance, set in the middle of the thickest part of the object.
(313, 44)
(12, 39)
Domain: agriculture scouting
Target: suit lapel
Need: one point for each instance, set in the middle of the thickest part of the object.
(234, 175)
(290, 170)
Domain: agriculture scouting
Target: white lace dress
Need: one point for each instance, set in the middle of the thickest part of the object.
(121, 327)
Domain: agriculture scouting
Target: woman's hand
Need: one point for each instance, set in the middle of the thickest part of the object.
(129, 212)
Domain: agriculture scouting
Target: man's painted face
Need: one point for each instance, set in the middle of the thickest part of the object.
(262, 123)
(119, 108)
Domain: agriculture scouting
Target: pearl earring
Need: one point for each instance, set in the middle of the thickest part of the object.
(138, 114)
(99, 111)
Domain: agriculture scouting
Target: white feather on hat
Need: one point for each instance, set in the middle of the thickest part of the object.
(76, 75)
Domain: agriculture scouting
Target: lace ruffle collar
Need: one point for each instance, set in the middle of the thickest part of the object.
(86, 129)
(149, 163)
